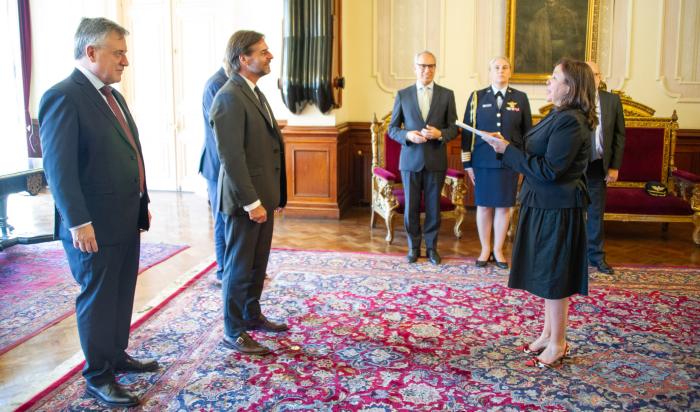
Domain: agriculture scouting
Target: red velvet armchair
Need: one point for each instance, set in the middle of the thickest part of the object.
(650, 143)
(649, 146)
(387, 191)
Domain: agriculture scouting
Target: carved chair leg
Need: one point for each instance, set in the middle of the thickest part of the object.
(696, 231)
(389, 228)
(459, 219)
(371, 220)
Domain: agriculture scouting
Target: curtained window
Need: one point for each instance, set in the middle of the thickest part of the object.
(13, 146)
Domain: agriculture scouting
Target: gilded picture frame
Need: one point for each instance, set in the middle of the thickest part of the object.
(540, 32)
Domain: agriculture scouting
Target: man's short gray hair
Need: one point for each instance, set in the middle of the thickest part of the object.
(420, 53)
(92, 32)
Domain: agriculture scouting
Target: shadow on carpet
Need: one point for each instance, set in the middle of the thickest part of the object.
(39, 291)
(371, 333)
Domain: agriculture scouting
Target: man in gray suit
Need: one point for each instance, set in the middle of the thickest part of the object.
(251, 186)
(423, 121)
(607, 148)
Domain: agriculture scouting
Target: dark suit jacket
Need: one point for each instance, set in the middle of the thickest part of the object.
(557, 151)
(406, 116)
(250, 148)
(513, 120)
(90, 165)
(613, 124)
(209, 161)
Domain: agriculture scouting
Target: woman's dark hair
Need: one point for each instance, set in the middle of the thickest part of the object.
(582, 94)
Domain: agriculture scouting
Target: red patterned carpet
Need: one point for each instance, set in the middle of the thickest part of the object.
(38, 289)
(371, 333)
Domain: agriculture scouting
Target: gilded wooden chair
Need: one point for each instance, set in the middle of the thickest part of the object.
(650, 144)
(387, 192)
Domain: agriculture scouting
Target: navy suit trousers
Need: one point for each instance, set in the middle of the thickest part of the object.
(103, 308)
(219, 229)
(429, 185)
(594, 223)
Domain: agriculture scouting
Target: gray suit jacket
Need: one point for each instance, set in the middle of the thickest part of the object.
(250, 148)
(613, 124)
(406, 116)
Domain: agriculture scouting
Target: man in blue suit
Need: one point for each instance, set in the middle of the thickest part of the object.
(423, 121)
(94, 166)
(209, 166)
(607, 148)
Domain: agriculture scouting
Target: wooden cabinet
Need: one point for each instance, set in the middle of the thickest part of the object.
(318, 166)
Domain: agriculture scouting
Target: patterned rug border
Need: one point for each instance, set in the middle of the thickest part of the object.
(472, 259)
(134, 325)
(62, 317)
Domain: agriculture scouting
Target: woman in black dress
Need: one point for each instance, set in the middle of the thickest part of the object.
(549, 254)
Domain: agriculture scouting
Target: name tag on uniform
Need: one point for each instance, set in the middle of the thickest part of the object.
(486, 105)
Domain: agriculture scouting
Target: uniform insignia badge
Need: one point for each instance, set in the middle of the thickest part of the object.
(513, 106)
(486, 105)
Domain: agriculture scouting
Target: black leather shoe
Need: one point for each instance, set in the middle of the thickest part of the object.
(268, 326)
(502, 265)
(412, 256)
(245, 344)
(603, 267)
(112, 394)
(130, 364)
(433, 256)
(481, 263)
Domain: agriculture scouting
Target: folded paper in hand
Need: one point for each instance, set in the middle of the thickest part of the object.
(481, 133)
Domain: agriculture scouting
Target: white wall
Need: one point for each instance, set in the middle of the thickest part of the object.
(472, 31)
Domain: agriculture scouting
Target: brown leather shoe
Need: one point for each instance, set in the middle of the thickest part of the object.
(112, 394)
(245, 344)
(130, 364)
(267, 325)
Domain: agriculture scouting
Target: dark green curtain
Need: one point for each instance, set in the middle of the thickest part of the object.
(307, 53)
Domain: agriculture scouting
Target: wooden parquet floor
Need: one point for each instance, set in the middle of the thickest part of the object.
(185, 219)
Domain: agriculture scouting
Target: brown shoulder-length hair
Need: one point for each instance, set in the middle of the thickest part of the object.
(579, 77)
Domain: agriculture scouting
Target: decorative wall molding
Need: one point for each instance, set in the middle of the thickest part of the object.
(399, 32)
(679, 53)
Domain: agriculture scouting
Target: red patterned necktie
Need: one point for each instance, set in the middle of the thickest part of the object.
(107, 92)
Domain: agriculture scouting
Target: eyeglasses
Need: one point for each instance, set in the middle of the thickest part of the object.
(426, 66)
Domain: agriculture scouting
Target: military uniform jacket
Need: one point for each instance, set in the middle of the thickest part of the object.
(513, 120)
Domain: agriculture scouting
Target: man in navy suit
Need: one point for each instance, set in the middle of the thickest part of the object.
(94, 166)
(252, 185)
(209, 166)
(607, 148)
(423, 121)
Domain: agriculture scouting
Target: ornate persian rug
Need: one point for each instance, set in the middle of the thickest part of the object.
(39, 291)
(371, 333)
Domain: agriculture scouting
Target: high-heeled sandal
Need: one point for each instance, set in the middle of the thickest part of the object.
(557, 363)
(526, 350)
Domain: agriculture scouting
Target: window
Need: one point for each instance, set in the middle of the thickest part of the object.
(13, 146)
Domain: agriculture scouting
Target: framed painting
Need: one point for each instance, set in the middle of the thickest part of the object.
(540, 32)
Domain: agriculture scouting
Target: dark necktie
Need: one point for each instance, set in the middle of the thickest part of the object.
(263, 103)
(107, 92)
(499, 99)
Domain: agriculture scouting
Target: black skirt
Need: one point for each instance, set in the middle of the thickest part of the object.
(549, 254)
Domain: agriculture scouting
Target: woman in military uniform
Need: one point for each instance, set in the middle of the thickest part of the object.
(497, 108)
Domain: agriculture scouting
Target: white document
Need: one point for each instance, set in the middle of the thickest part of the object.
(481, 133)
